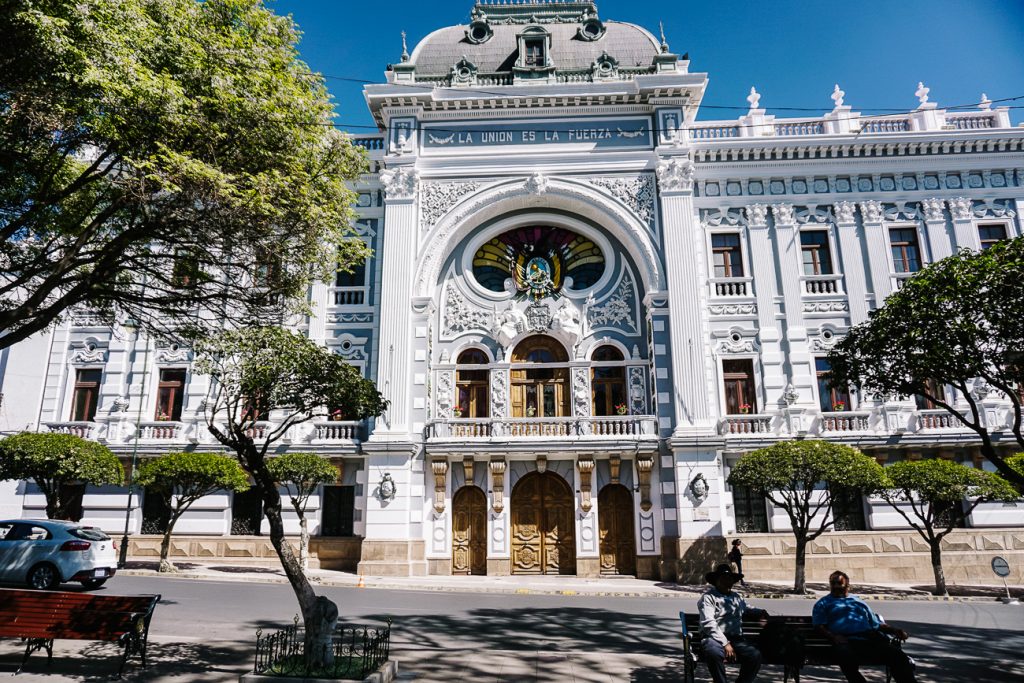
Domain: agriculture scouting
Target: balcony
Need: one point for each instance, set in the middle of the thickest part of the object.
(732, 287)
(937, 420)
(822, 284)
(161, 430)
(746, 425)
(573, 428)
(348, 296)
(841, 422)
(335, 431)
(83, 430)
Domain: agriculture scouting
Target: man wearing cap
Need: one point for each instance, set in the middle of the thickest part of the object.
(721, 625)
(857, 634)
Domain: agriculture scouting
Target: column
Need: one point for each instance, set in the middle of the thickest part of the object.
(393, 370)
(877, 241)
(960, 210)
(787, 241)
(934, 214)
(687, 296)
(762, 266)
(854, 271)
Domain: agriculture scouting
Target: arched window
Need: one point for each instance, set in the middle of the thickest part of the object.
(472, 386)
(541, 391)
(608, 382)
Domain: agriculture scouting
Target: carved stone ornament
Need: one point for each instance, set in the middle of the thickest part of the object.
(437, 199)
(749, 309)
(676, 174)
(445, 389)
(401, 182)
(499, 393)
(581, 392)
(542, 463)
(567, 320)
(90, 352)
(735, 343)
(440, 469)
(538, 316)
(812, 215)
(617, 310)
(826, 307)
(637, 391)
(699, 487)
(845, 213)
(172, 354)
(981, 390)
(386, 490)
(985, 208)
(716, 218)
(536, 184)
(901, 211)
(586, 467)
(614, 463)
(636, 192)
(644, 465)
(871, 212)
(960, 208)
(784, 214)
(460, 316)
(790, 395)
(757, 214)
(468, 464)
(119, 405)
(933, 209)
(822, 344)
(497, 466)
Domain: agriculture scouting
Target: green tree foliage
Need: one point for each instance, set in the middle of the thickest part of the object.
(1016, 462)
(270, 371)
(955, 323)
(935, 496)
(181, 479)
(801, 477)
(54, 460)
(301, 474)
(161, 158)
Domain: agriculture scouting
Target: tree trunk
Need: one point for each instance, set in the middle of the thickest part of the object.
(319, 615)
(165, 547)
(940, 577)
(800, 580)
(303, 542)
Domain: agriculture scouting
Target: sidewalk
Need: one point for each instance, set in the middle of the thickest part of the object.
(624, 586)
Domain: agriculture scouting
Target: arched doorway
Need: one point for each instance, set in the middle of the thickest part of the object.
(543, 525)
(469, 531)
(615, 525)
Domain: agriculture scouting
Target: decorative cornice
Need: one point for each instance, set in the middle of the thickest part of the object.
(676, 174)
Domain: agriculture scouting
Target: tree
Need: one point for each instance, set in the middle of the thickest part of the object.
(160, 158)
(181, 479)
(301, 474)
(255, 371)
(801, 477)
(1017, 463)
(53, 461)
(940, 494)
(955, 323)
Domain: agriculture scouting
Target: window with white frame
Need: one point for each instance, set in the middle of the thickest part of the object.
(906, 252)
(738, 383)
(816, 252)
(991, 234)
(727, 255)
(86, 396)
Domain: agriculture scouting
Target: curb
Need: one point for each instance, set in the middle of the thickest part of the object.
(680, 594)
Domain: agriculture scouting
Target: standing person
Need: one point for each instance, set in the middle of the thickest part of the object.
(721, 624)
(857, 634)
(736, 557)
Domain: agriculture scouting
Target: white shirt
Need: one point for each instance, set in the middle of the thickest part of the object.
(721, 615)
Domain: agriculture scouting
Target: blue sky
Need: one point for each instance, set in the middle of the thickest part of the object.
(791, 51)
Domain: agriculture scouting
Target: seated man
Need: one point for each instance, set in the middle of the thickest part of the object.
(857, 634)
(721, 618)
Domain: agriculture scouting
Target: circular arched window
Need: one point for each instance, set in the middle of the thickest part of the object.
(539, 260)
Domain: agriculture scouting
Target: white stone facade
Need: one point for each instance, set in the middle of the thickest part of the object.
(614, 155)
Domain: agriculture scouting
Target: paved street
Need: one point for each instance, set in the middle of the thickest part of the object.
(204, 630)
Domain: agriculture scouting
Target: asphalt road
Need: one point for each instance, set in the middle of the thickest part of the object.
(204, 631)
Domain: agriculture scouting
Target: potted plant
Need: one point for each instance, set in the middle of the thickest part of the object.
(621, 409)
(838, 406)
(531, 411)
(744, 408)
(337, 415)
(457, 411)
(163, 417)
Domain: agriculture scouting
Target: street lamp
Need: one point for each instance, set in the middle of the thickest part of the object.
(123, 557)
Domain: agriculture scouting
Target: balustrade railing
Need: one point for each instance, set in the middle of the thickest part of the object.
(799, 128)
(370, 144)
(714, 132)
(929, 420)
(349, 296)
(544, 427)
(822, 284)
(83, 430)
(746, 425)
(336, 430)
(161, 430)
(842, 421)
(971, 121)
(892, 125)
(731, 286)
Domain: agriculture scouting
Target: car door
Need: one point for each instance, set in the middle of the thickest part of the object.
(17, 549)
(6, 550)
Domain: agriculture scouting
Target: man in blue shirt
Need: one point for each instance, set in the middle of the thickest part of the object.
(721, 625)
(857, 634)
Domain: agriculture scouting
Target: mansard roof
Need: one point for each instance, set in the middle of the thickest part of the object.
(571, 49)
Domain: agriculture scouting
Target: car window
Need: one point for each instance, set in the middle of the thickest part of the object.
(88, 533)
(5, 530)
(36, 533)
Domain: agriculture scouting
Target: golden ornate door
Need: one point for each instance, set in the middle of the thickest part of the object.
(543, 526)
(469, 531)
(615, 522)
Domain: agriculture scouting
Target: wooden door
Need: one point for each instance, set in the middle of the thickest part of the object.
(615, 522)
(543, 526)
(469, 531)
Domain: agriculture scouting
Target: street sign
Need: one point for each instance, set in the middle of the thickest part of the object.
(1001, 567)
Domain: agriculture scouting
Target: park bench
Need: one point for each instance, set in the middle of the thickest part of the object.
(815, 649)
(39, 617)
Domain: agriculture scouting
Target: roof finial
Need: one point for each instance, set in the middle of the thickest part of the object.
(664, 43)
(985, 104)
(837, 96)
(405, 49)
(922, 94)
(754, 98)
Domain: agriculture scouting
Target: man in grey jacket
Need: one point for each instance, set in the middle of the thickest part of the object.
(721, 624)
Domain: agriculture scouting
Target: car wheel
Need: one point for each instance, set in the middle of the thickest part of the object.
(93, 584)
(43, 577)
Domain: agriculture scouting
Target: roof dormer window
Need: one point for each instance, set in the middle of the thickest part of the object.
(535, 53)
(534, 60)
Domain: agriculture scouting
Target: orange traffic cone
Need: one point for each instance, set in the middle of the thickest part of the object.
(360, 584)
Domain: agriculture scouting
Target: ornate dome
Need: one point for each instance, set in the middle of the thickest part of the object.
(547, 37)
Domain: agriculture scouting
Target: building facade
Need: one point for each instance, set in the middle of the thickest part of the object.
(584, 305)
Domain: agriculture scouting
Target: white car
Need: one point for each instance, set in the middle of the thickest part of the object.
(43, 553)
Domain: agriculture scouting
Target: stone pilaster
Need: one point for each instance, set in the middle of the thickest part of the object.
(877, 239)
(963, 223)
(762, 266)
(787, 241)
(852, 260)
(687, 278)
(933, 211)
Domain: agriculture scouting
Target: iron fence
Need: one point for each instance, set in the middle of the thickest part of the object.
(357, 652)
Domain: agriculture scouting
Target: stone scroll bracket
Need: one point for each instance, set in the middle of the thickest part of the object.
(644, 465)
(586, 467)
(440, 469)
(498, 467)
